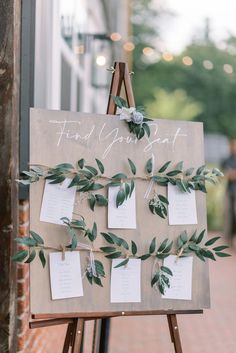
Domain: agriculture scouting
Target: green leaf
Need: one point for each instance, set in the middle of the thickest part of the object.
(132, 166)
(114, 255)
(155, 279)
(108, 238)
(222, 254)
(194, 236)
(74, 242)
(74, 181)
(117, 240)
(42, 258)
(36, 237)
(133, 248)
(149, 166)
(194, 247)
(97, 281)
(108, 249)
(28, 241)
(97, 186)
(101, 200)
(92, 202)
(208, 254)
(91, 170)
(127, 190)
(100, 165)
(163, 199)
(220, 248)
(147, 129)
(144, 257)
(120, 102)
(64, 166)
(31, 256)
(20, 256)
(152, 246)
(199, 255)
(124, 244)
(189, 171)
(131, 188)
(184, 237)
(164, 167)
(58, 180)
(122, 263)
(94, 231)
(168, 247)
(120, 198)
(200, 170)
(173, 173)
(166, 270)
(212, 241)
(200, 237)
(81, 163)
(179, 166)
(163, 245)
(89, 277)
(119, 176)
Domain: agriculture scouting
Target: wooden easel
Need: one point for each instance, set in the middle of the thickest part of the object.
(75, 329)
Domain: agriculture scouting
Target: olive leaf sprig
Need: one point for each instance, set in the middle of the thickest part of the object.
(118, 248)
(135, 118)
(89, 179)
(35, 244)
(193, 244)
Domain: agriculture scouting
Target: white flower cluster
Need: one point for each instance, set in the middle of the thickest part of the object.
(131, 114)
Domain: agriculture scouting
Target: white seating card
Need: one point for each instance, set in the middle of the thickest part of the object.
(58, 201)
(126, 282)
(182, 206)
(181, 281)
(65, 275)
(125, 215)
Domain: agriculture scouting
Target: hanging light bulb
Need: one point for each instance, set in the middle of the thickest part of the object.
(101, 60)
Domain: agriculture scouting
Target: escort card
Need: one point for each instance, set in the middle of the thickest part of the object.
(126, 282)
(123, 216)
(181, 281)
(182, 206)
(58, 201)
(65, 275)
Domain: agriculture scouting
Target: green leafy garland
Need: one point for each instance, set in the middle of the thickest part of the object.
(118, 247)
(89, 179)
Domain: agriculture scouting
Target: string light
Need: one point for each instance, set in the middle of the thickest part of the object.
(187, 60)
(208, 64)
(101, 60)
(228, 68)
(148, 51)
(115, 37)
(167, 56)
(129, 46)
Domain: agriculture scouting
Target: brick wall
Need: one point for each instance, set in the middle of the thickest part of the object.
(46, 340)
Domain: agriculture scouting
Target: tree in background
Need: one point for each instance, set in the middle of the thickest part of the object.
(198, 84)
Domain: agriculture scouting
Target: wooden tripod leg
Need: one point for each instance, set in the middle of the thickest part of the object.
(69, 338)
(174, 332)
(74, 336)
(78, 335)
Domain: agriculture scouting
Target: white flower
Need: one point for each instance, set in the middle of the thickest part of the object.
(137, 117)
(126, 113)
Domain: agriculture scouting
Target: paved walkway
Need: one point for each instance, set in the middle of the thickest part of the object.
(212, 332)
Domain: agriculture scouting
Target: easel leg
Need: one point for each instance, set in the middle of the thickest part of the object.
(174, 332)
(74, 336)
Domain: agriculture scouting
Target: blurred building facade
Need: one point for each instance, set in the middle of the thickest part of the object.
(75, 42)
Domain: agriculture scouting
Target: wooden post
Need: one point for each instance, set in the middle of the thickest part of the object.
(10, 11)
